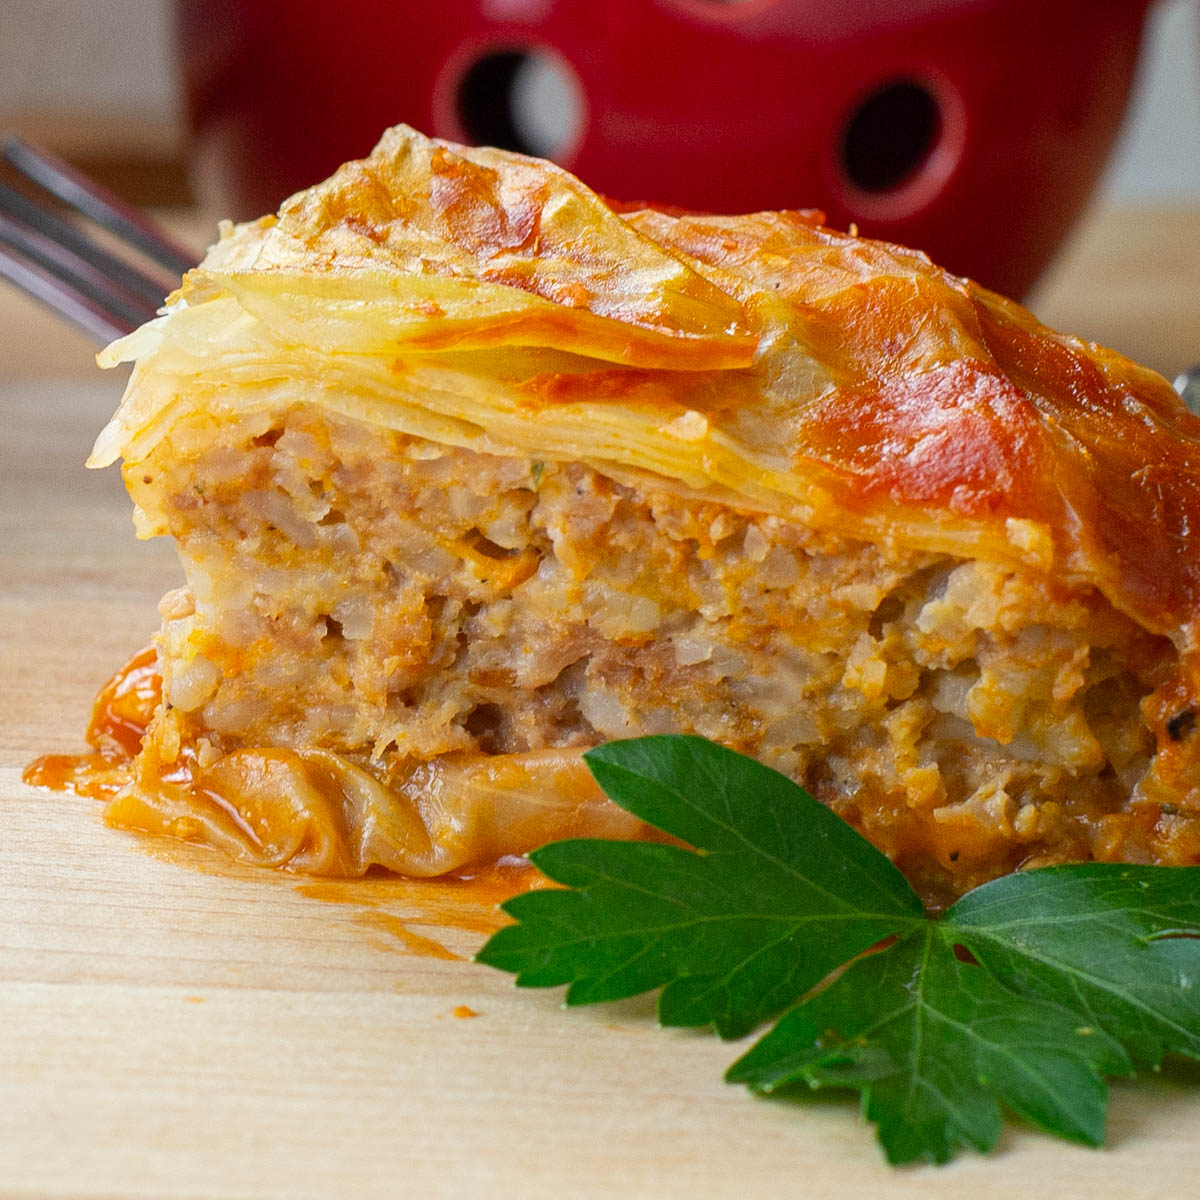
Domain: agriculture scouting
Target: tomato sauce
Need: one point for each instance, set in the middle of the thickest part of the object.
(120, 715)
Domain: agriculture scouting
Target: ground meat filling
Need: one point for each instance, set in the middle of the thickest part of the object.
(393, 600)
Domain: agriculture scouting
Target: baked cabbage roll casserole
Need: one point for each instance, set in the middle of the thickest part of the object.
(470, 469)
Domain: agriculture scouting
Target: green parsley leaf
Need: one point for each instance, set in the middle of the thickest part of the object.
(1024, 994)
(732, 935)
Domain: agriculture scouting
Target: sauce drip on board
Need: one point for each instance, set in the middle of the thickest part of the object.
(465, 903)
(120, 715)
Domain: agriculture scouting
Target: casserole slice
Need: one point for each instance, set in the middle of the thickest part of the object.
(470, 470)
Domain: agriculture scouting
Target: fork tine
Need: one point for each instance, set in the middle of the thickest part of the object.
(89, 198)
(26, 213)
(67, 301)
(78, 273)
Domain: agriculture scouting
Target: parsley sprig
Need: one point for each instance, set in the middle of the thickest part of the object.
(1023, 995)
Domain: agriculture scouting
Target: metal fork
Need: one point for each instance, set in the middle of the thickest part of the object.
(106, 290)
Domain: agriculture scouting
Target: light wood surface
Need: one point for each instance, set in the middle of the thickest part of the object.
(172, 1029)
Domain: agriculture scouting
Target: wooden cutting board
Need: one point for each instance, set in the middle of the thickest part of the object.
(173, 1027)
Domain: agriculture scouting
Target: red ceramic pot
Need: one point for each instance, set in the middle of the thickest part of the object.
(973, 129)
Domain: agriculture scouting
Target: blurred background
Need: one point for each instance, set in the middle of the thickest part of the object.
(1034, 144)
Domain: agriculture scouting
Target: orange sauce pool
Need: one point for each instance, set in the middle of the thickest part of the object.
(120, 714)
(407, 910)
(415, 913)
